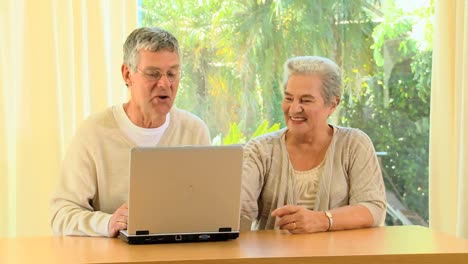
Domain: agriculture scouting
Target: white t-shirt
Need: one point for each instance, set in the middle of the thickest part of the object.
(142, 137)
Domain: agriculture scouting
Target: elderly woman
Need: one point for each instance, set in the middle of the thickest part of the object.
(311, 176)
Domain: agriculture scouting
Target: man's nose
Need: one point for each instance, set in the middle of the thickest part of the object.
(164, 80)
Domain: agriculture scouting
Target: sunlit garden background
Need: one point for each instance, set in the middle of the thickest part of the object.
(233, 55)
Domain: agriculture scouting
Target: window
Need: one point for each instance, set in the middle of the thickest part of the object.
(234, 51)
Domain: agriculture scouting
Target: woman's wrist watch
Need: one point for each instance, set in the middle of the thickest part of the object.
(330, 220)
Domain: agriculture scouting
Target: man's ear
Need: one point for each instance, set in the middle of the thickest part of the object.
(126, 74)
(337, 101)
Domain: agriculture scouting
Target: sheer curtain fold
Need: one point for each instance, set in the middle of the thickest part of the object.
(448, 183)
(60, 61)
(462, 84)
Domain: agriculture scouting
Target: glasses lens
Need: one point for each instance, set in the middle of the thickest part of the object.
(155, 76)
(172, 76)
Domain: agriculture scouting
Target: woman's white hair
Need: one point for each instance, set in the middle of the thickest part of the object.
(326, 69)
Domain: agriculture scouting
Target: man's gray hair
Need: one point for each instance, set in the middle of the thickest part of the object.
(326, 69)
(147, 38)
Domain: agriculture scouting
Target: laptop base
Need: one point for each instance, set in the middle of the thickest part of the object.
(177, 238)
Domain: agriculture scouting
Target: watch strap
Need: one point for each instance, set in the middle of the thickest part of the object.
(330, 220)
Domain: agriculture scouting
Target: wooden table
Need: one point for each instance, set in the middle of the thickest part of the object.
(398, 244)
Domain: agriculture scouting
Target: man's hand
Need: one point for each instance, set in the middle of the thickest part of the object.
(118, 220)
(297, 219)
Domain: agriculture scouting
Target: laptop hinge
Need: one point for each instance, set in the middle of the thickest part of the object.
(142, 232)
(225, 229)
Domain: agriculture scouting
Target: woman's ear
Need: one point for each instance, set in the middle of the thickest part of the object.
(126, 75)
(333, 105)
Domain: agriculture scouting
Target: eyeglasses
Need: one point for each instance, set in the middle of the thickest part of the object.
(155, 76)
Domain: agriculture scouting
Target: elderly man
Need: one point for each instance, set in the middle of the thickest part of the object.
(92, 189)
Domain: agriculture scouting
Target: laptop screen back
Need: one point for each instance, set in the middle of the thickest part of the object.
(190, 189)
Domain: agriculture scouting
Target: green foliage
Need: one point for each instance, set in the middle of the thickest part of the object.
(233, 55)
(234, 51)
(235, 136)
(393, 106)
(264, 129)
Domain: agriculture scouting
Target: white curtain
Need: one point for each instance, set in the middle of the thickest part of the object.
(59, 61)
(448, 152)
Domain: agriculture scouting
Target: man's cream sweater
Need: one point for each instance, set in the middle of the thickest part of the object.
(94, 176)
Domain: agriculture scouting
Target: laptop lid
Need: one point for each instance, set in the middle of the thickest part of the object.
(183, 190)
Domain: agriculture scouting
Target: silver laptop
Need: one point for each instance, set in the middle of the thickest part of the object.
(184, 194)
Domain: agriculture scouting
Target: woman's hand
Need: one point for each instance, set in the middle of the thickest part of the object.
(299, 220)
